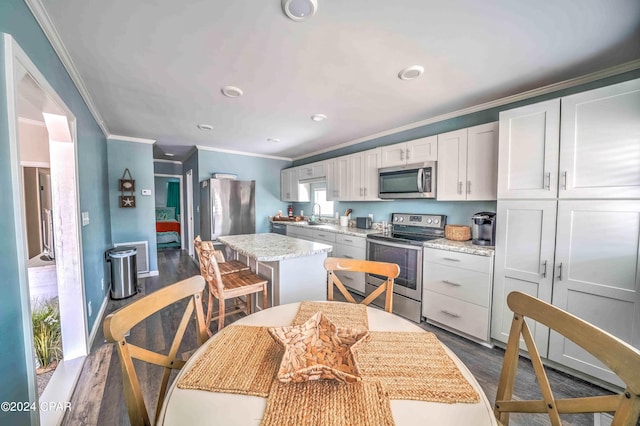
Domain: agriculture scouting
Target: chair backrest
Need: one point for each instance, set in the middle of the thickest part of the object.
(209, 258)
(388, 270)
(620, 357)
(118, 324)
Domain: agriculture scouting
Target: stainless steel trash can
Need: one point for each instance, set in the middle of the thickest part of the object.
(124, 275)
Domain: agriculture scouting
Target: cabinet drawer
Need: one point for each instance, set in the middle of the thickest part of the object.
(326, 236)
(351, 241)
(458, 260)
(354, 280)
(350, 252)
(470, 286)
(299, 232)
(463, 316)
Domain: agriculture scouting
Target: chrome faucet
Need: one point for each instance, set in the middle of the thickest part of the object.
(313, 211)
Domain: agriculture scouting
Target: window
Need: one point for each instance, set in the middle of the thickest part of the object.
(320, 197)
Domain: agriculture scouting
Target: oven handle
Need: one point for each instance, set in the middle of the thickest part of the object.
(386, 243)
(420, 180)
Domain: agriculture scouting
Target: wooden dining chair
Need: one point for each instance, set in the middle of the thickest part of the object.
(226, 266)
(118, 324)
(622, 358)
(384, 269)
(229, 285)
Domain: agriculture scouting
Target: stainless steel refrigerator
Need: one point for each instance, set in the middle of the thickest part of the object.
(227, 207)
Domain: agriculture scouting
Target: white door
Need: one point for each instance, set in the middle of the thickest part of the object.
(452, 165)
(528, 151)
(597, 275)
(393, 155)
(525, 238)
(354, 181)
(600, 143)
(423, 149)
(190, 212)
(482, 162)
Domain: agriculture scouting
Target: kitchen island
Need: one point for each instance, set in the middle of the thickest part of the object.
(294, 267)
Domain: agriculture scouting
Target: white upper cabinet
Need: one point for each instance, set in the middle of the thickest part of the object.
(467, 163)
(338, 185)
(312, 171)
(363, 175)
(600, 143)
(415, 151)
(290, 187)
(528, 151)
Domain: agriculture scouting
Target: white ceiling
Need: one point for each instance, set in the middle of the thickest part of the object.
(154, 68)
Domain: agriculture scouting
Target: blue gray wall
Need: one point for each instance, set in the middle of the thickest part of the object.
(17, 20)
(164, 168)
(265, 171)
(133, 224)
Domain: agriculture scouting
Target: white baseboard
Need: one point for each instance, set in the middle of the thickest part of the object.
(148, 274)
(98, 323)
(55, 400)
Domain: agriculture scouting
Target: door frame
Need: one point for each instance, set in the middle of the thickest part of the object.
(70, 270)
(182, 236)
(189, 191)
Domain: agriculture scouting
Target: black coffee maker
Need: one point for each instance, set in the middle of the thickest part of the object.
(483, 229)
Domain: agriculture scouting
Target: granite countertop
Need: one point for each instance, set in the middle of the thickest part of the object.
(272, 247)
(332, 227)
(460, 246)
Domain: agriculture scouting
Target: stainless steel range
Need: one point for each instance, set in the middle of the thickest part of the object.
(403, 245)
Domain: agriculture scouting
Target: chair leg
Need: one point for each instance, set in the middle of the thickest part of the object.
(264, 297)
(221, 308)
(248, 299)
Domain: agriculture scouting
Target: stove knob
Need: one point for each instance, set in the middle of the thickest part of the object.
(400, 219)
(436, 221)
(428, 220)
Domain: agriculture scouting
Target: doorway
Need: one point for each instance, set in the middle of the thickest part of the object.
(169, 211)
(30, 96)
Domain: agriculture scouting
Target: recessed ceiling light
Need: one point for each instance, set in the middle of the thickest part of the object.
(274, 140)
(318, 117)
(299, 10)
(205, 127)
(168, 154)
(232, 91)
(411, 72)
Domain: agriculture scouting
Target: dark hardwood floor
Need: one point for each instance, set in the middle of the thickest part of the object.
(98, 398)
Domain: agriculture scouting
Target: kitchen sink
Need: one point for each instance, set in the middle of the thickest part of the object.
(315, 223)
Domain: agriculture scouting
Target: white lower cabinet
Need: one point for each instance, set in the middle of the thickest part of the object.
(457, 292)
(299, 232)
(351, 247)
(580, 255)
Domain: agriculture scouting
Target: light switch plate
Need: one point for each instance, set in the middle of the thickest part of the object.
(146, 192)
(85, 218)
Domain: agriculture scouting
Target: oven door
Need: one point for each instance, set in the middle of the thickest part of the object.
(408, 257)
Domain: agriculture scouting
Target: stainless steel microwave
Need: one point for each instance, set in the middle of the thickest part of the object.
(416, 180)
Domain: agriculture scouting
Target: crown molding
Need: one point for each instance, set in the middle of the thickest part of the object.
(130, 139)
(42, 17)
(162, 160)
(248, 154)
(555, 87)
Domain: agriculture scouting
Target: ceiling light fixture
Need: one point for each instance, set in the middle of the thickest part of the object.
(411, 72)
(205, 127)
(274, 140)
(299, 10)
(318, 117)
(232, 91)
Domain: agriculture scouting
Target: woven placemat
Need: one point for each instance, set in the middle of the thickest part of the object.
(413, 366)
(241, 359)
(329, 403)
(346, 315)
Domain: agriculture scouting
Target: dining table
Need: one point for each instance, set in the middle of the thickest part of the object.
(188, 406)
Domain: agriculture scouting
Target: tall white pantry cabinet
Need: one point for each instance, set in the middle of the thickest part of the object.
(568, 228)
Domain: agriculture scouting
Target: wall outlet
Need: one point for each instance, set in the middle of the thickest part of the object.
(146, 192)
(89, 308)
(102, 284)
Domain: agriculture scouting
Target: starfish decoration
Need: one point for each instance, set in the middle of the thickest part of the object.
(128, 202)
(317, 350)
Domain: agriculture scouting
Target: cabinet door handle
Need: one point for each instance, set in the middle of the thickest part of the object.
(564, 180)
(460, 187)
(468, 187)
(451, 259)
(348, 241)
(547, 179)
(365, 192)
(402, 154)
(451, 283)
(544, 271)
(451, 314)
(348, 278)
(560, 271)
(408, 154)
